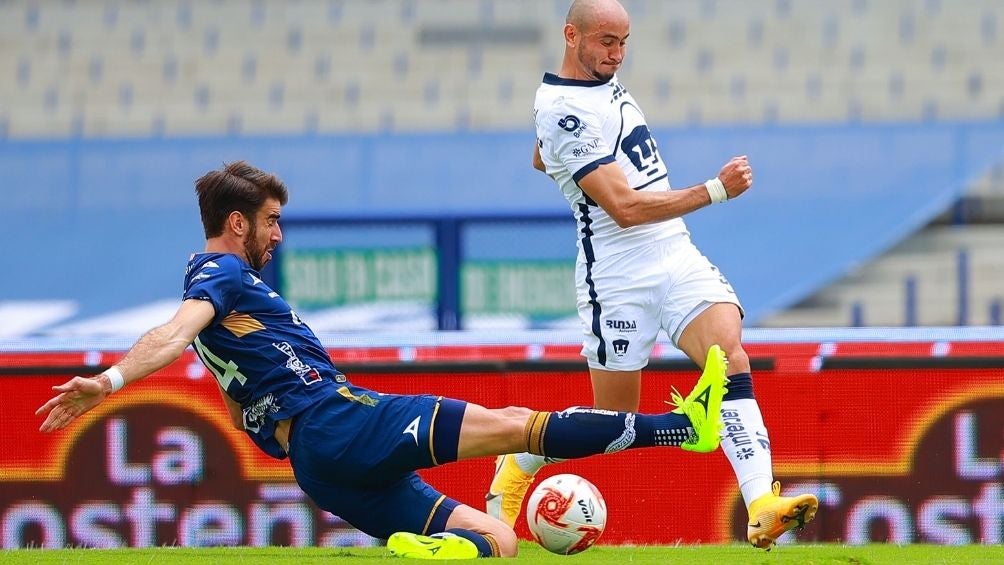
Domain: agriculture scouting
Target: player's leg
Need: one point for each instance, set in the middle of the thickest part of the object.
(416, 520)
(746, 443)
(466, 533)
(357, 461)
(581, 432)
(514, 473)
(615, 307)
(616, 390)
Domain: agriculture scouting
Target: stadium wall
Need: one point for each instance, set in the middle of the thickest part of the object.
(829, 196)
(900, 440)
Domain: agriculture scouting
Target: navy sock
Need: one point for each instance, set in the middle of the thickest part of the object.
(740, 386)
(486, 544)
(580, 432)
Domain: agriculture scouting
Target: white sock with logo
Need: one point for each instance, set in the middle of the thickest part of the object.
(747, 447)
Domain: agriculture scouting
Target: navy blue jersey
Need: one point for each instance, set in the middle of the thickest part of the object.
(261, 353)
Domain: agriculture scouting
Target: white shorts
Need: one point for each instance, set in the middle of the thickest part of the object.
(625, 299)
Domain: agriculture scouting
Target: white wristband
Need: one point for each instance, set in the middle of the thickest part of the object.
(115, 376)
(716, 190)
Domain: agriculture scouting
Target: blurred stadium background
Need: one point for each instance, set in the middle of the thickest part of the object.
(403, 129)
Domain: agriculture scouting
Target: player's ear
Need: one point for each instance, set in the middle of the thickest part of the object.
(571, 35)
(237, 222)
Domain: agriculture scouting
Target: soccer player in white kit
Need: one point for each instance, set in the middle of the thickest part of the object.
(637, 271)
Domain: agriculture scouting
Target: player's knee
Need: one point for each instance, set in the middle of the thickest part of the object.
(739, 361)
(514, 413)
(507, 540)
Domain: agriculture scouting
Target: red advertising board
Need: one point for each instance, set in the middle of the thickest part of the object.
(895, 454)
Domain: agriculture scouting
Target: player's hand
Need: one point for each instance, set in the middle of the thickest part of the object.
(737, 176)
(76, 396)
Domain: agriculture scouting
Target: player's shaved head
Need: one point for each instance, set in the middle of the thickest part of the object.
(596, 33)
(587, 14)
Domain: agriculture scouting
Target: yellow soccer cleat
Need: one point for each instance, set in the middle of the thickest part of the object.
(439, 546)
(772, 515)
(704, 404)
(508, 489)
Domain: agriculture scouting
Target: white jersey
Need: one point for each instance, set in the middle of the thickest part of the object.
(583, 124)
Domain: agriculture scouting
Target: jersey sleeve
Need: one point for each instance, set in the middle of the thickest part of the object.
(217, 282)
(574, 132)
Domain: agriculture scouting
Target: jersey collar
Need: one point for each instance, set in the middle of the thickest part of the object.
(551, 78)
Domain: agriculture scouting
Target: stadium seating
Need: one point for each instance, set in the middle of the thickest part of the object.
(945, 275)
(182, 67)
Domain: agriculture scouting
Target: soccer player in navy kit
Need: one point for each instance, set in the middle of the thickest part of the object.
(637, 271)
(353, 451)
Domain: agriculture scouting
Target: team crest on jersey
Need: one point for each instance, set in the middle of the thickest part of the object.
(306, 373)
(620, 347)
(572, 124)
(639, 147)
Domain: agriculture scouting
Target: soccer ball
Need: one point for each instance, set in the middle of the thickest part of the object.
(566, 514)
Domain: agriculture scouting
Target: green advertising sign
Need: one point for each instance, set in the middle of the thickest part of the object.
(320, 278)
(540, 288)
(329, 277)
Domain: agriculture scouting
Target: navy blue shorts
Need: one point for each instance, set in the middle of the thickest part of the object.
(356, 454)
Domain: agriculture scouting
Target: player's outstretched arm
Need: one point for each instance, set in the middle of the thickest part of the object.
(608, 186)
(155, 350)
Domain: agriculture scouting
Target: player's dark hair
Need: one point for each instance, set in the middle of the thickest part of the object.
(238, 186)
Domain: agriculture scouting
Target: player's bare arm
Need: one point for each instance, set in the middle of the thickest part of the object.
(609, 188)
(537, 162)
(155, 350)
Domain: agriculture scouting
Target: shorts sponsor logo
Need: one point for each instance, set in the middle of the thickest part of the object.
(412, 428)
(622, 325)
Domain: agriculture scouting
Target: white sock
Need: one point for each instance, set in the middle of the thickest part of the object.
(747, 447)
(531, 463)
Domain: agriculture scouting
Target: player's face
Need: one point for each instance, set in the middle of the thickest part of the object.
(264, 235)
(601, 51)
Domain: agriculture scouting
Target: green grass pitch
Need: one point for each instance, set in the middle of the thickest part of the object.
(814, 554)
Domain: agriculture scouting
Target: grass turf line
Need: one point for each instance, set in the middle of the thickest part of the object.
(812, 554)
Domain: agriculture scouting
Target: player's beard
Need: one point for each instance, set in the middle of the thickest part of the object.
(599, 75)
(254, 252)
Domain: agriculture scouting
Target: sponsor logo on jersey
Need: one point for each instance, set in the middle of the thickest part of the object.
(572, 124)
(586, 148)
(255, 280)
(620, 347)
(201, 276)
(569, 123)
(622, 325)
(306, 373)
